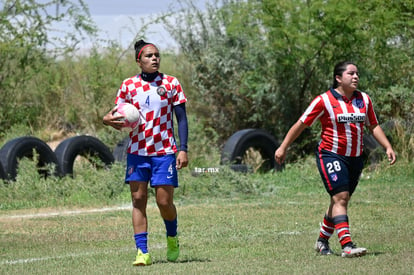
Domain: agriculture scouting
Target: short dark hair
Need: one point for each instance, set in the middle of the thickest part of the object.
(139, 45)
(339, 69)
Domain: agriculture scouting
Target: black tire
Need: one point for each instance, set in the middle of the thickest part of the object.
(373, 152)
(120, 150)
(242, 168)
(2, 173)
(85, 146)
(389, 129)
(237, 145)
(21, 147)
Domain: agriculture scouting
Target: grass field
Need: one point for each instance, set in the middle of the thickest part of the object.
(269, 231)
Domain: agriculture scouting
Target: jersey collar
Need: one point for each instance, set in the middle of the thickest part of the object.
(338, 95)
(148, 76)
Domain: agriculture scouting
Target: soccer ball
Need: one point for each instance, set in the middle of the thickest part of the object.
(130, 115)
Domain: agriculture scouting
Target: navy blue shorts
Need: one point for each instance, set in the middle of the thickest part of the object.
(339, 173)
(158, 170)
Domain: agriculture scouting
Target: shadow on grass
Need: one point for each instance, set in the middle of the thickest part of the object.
(180, 261)
(373, 253)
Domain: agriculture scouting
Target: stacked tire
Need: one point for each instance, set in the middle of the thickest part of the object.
(88, 147)
(238, 144)
(61, 161)
(241, 141)
(27, 147)
(57, 163)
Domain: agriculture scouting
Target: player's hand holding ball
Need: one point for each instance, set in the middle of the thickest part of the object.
(123, 116)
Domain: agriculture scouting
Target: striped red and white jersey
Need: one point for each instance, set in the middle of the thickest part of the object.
(342, 121)
(154, 135)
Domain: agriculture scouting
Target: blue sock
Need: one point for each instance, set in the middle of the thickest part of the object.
(171, 227)
(141, 241)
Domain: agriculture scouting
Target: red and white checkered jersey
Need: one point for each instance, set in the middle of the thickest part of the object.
(342, 121)
(154, 135)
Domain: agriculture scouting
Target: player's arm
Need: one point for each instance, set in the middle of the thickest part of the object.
(181, 115)
(293, 133)
(382, 139)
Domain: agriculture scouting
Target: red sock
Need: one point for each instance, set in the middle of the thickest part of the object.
(327, 228)
(342, 228)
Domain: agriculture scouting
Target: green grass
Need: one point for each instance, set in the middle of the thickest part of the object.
(229, 223)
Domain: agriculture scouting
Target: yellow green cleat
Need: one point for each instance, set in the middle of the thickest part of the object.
(142, 258)
(173, 248)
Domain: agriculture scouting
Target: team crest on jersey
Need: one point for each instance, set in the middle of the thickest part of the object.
(334, 177)
(359, 103)
(161, 91)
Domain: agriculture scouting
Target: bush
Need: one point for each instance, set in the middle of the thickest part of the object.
(258, 64)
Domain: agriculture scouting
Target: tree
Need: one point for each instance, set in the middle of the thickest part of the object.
(29, 42)
(259, 63)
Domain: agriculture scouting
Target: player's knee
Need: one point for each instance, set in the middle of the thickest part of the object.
(164, 204)
(342, 202)
(341, 198)
(139, 201)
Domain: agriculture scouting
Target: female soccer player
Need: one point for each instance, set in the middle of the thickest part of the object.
(152, 147)
(342, 111)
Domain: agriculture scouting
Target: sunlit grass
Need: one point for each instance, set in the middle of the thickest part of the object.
(271, 229)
